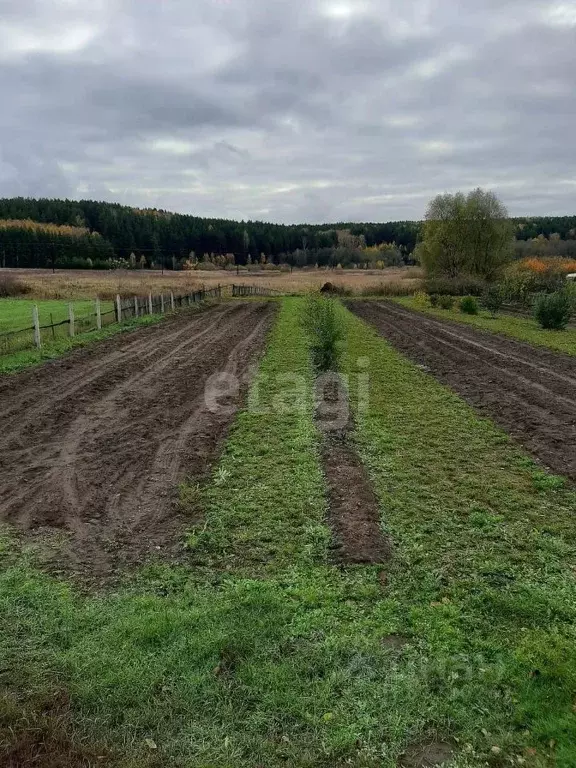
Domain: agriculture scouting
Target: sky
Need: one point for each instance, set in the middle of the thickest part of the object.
(289, 110)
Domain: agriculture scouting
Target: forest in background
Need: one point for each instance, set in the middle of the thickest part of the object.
(101, 235)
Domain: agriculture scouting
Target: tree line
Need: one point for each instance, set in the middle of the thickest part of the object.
(85, 233)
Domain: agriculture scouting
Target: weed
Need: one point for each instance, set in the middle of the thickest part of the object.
(469, 305)
(434, 299)
(11, 286)
(325, 330)
(445, 301)
(493, 298)
(554, 310)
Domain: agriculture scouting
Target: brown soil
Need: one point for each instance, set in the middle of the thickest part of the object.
(354, 515)
(94, 444)
(40, 734)
(530, 392)
(426, 755)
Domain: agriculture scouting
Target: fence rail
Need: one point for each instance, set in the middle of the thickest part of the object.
(37, 334)
(253, 290)
(122, 308)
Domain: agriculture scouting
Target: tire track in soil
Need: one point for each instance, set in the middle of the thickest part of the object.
(528, 391)
(95, 444)
(353, 509)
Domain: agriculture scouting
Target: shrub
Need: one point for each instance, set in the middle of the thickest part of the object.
(445, 301)
(554, 310)
(11, 286)
(469, 305)
(455, 286)
(493, 298)
(421, 299)
(323, 325)
(434, 298)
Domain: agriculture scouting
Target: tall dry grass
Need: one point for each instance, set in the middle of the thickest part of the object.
(77, 284)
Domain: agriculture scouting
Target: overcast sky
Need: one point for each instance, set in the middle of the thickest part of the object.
(289, 110)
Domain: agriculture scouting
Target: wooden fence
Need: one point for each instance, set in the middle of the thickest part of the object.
(253, 290)
(122, 309)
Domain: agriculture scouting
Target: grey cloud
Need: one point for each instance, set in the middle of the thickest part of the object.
(289, 111)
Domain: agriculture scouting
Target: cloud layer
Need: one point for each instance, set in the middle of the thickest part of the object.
(289, 110)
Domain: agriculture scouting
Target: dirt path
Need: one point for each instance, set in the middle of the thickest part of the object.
(353, 510)
(528, 391)
(95, 444)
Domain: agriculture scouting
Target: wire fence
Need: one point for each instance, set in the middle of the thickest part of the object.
(39, 334)
(102, 314)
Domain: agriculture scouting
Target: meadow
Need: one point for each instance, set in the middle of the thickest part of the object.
(77, 284)
(17, 313)
(259, 646)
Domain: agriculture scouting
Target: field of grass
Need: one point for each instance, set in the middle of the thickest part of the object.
(76, 284)
(17, 313)
(262, 652)
(522, 328)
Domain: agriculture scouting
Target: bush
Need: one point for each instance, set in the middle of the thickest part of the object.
(324, 327)
(445, 302)
(469, 305)
(434, 299)
(493, 298)
(421, 299)
(11, 286)
(455, 286)
(554, 310)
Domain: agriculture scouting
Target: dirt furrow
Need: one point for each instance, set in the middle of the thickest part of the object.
(529, 392)
(102, 463)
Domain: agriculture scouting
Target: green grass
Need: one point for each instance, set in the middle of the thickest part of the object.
(17, 361)
(17, 313)
(262, 653)
(521, 328)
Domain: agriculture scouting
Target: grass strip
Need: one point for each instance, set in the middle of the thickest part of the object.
(521, 328)
(265, 509)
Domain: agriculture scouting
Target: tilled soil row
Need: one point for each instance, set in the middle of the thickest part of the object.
(528, 391)
(353, 511)
(95, 444)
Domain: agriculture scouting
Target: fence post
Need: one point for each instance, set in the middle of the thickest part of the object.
(71, 319)
(135, 306)
(162, 303)
(150, 303)
(118, 308)
(36, 323)
(98, 315)
(172, 301)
